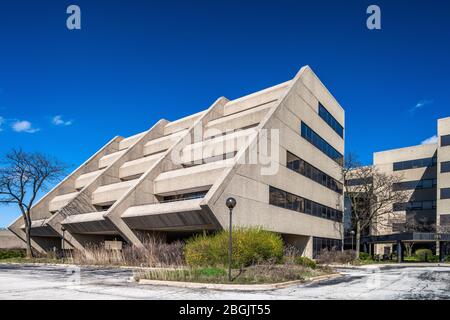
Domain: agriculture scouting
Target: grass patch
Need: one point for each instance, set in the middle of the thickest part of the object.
(256, 274)
(11, 254)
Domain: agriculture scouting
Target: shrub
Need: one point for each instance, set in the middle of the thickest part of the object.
(424, 255)
(305, 262)
(335, 256)
(12, 254)
(364, 256)
(447, 259)
(250, 246)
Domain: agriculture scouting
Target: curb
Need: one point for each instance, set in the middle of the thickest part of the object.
(236, 287)
(389, 265)
(94, 266)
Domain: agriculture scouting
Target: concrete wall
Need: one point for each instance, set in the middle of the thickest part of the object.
(9, 240)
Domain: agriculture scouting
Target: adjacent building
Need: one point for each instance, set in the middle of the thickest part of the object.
(278, 152)
(425, 174)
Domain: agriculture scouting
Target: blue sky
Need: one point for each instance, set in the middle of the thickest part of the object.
(134, 62)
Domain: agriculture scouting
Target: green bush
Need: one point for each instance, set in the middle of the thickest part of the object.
(305, 262)
(364, 256)
(424, 255)
(447, 258)
(250, 246)
(12, 254)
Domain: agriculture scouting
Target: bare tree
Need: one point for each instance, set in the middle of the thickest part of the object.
(22, 176)
(371, 195)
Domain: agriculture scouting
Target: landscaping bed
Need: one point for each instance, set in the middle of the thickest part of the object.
(256, 274)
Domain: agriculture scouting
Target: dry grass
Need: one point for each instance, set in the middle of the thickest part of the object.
(255, 274)
(335, 256)
(154, 254)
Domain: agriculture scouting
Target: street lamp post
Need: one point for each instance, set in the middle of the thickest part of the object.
(62, 243)
(230, 203)
(338, 207)
(352, 233)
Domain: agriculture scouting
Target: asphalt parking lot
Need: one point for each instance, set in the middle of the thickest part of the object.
(61, 282)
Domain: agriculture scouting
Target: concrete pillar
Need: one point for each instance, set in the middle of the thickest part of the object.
(441, 253)
(438, 248)
(303, 243)
(399, 252)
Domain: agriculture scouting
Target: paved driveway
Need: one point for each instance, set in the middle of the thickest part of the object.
(57, 282)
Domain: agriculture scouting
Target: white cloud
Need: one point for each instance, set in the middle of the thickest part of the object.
(23, 126)
(430, 140)
(421, 104)
(59, 121)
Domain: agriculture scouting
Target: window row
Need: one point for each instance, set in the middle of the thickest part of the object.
(412, 164)
(185, 196)
(445, 193)
(445, 220)
(359, 181)
(320, 244)
(398, 226)
(415, 185)
(321, 144)
(445, 140)
(293, 202)
(330, 120)
(415, 205)
(311, 172)
(445, 166)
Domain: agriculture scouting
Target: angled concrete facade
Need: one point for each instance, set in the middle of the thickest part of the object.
(277, 151)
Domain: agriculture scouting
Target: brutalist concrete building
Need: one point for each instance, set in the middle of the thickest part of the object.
(278, 152)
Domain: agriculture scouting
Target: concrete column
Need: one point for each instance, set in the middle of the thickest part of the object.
(303, 243)
(441, 246)
(399, 252)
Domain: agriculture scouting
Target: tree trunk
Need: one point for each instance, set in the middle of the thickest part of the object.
(358, 239)
(28, 238)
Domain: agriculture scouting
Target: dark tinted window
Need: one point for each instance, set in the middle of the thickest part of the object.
(445, 220)
(330, 120)
(445, 193)
(359, 181)
(321, 144)
(445, 140)
(184, 196)
(398, 227)
(311, 172)
(320, 244)
(414, 205)
(415, 185)
(412, 164)
(293, 202)
(445, 166)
